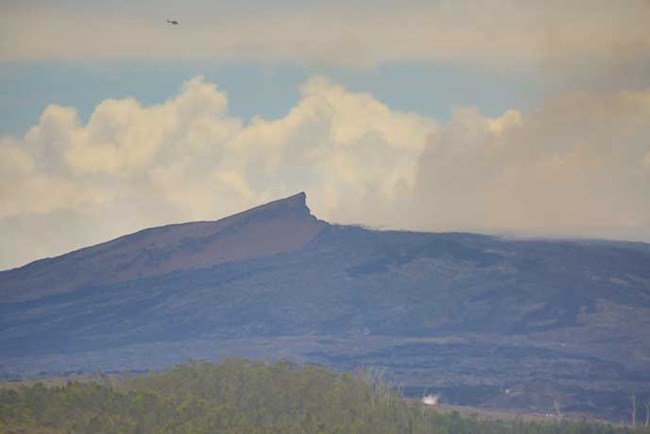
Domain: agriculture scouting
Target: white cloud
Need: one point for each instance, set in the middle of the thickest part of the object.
(572, 167)
(131, 166)
(578, 165)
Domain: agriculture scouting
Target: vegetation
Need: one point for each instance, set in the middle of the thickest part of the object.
(239, 396)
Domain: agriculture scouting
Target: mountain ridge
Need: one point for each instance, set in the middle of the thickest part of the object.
(271, 228)
(465, 315)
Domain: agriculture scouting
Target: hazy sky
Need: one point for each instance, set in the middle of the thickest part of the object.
(518, 117)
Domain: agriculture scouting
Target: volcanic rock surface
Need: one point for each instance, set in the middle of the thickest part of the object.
(276, 227)
(480, 320)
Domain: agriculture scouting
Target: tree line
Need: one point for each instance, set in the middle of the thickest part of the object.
(241, 396)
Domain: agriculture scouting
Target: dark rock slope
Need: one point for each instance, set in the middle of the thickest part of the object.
(276, 227)
(481, 320)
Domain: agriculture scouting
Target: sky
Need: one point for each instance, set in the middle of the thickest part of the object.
(520, 118)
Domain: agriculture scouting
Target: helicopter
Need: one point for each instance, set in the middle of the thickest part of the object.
(172, 22)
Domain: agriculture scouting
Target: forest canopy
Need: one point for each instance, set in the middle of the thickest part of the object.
(240, 396)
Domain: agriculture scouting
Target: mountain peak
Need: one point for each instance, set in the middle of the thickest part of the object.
(296, 204)
(275, 227)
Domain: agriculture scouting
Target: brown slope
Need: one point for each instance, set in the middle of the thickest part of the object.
(275, 227)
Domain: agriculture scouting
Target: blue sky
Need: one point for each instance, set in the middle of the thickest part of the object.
(257, 89)
(511, 117)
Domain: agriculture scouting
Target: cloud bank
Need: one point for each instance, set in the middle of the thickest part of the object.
(577, 166)
(498, 33)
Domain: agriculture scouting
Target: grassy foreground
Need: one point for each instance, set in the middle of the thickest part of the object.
(239, 396)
